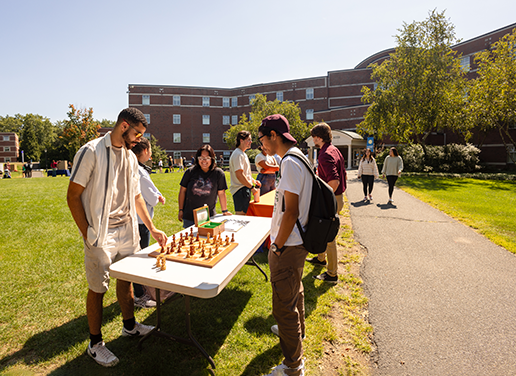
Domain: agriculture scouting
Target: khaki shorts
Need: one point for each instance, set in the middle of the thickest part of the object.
(97, 260)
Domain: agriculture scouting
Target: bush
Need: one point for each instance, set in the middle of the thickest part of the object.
(452, 158)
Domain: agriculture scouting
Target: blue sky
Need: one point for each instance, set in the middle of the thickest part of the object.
(86, 53)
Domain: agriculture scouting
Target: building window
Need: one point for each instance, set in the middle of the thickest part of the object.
(252, 97)
(206, 138)
(177, 138)
(177, 100)
(147, 117)
(279, 96)
(7, 148)
(310, 93)
(234, 102)
(177, 154)
(206, 101)
(225, 137)
(464, 63)
(7, 159)
(234, 119)
(145, 99)
(205, 119)
(176, 119)
(225, 102)
(6, 138)
(310, 114)
(147, 135)
(225, 120)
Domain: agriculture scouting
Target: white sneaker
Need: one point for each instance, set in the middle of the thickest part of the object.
(100, 353)
(370, 198)
(144, 301)
(138, 330)
(365, 198)
(280, 370)
(275, 330)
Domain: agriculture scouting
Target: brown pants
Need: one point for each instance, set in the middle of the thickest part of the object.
(288, 302)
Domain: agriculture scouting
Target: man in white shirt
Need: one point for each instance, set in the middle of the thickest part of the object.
(104, 198)
(242, 182)
(287, 254)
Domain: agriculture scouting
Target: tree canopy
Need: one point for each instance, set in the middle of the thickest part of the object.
(492, 96)
(262, 108)
(79, 129)
(420, 88)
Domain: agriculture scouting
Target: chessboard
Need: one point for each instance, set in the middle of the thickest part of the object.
(194, 250)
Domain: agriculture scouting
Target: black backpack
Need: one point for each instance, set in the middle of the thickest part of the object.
(323, 219)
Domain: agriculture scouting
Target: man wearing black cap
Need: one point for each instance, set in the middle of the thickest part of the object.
(287, 254)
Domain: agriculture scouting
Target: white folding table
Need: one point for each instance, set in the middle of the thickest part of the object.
(192, 280)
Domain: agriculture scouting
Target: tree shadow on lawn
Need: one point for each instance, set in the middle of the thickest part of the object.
(259, 325)
(211, 322)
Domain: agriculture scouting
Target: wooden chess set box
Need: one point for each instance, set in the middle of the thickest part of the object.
(203, 223)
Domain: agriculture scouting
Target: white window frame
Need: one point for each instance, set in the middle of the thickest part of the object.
(7, 148)
(234, 102)
(279, 96)
(309, 93)
(176, 119)
(7, 159)
(226, 119)
(6, 138)
(225, 102)
(147, 117)
(145, 100)
(177, 155)
(251, 98)
(206, 138)
(465, 63)
(225, 137)
(205, 119)
(310, 114)
(206, 101)
(176, 100)
(176, 138)
(234, 119)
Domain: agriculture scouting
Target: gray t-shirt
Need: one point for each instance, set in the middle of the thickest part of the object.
(119, 212)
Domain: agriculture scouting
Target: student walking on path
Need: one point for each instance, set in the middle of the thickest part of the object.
(368, 171)
(392, 167)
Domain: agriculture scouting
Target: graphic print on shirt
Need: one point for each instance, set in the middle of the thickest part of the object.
(202, 187)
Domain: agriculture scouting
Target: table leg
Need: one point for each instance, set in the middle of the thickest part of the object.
(252, 262)
(187, 341)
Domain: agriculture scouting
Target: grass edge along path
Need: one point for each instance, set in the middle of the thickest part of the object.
(488, 206)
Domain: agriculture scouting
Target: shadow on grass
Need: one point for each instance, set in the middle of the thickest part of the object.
(212, 321)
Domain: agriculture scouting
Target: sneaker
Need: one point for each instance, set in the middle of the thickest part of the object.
(326, 278)
(280, 370)
(365, 198)
(275, 330)
(391, 201)
(370, 198)
(100, 353)
(316, 261)
(144, 301)
(138, 330)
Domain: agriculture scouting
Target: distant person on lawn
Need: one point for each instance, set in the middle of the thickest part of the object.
(104, 198)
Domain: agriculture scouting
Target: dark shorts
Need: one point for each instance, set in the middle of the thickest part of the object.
(241, 199)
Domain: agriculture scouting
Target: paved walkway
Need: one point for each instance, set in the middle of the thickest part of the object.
(441, 297)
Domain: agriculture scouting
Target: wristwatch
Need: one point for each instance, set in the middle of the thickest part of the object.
(274, 248)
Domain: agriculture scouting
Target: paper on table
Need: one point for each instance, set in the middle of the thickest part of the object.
(233, 225)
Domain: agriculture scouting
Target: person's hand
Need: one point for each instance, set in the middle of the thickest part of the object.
(160, 237)
(162, 199)
(180, 216)
(257, 183)
(383, 176)
(227, 213)
(358, 176)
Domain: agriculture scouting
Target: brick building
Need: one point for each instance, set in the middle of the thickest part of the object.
(183, 118)
(9, 147)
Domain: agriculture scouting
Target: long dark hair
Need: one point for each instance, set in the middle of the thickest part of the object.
(364, 157)
(210, 150)
(394, 151)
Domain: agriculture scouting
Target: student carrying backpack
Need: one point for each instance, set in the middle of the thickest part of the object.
(323, 219)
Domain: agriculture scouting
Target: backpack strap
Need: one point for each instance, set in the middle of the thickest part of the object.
(310, 168)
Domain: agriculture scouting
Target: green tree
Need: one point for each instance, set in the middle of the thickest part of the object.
(105, 123)
(492, 97)
(262, 108)
(11, 123)
(79, 129)
(37, 134)
(420, 88)
(157, 152)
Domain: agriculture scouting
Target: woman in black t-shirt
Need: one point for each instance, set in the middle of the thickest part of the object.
(201, 185)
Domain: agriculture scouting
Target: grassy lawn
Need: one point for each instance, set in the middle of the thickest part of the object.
(489, 206)
(43, 326)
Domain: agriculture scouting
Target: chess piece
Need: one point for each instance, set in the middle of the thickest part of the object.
(209, 254)
(233, 238)
(207, 237)
(197, 237)
(216, 250)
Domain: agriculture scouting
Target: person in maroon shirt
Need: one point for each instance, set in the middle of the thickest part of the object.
(332, 170)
